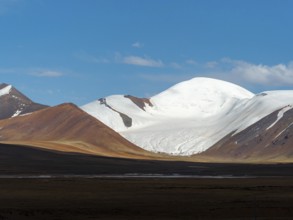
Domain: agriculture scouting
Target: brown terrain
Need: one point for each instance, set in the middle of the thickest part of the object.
(38, 183)
(259, 142)
(67, 128)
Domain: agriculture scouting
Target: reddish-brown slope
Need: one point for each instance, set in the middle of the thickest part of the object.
(67, 128)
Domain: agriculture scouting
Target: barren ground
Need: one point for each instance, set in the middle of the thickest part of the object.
(133, 198)
(256, 191)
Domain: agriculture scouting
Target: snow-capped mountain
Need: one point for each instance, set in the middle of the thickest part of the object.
(189, 117)
(14, 103)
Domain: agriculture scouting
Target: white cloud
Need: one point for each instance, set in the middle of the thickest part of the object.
(142, 61)
(137, 45)
(8, 70)
(175, 65)
(211, 64)
(191, 62)
(46, 73)
(280, 74)
(39, 72)
(239, 72)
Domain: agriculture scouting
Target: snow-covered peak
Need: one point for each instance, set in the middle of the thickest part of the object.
(199, 96)
(189, 117)
(205, 86)
(6, 90)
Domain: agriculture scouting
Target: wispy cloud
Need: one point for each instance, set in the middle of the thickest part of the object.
(137, 45)
(38, 72)
(211, 64)
(175, 65)
(237, 71)
(191, 62)
(142, 61)
(46, 73)
(280, 74)
(8, 70)
(86, 57)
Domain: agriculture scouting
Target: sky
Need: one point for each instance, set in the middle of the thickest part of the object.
(57, 51)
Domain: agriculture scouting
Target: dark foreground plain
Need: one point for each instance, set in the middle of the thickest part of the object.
(132, 198)
(247, 191)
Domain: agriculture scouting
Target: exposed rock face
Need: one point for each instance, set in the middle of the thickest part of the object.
(126, 119)
(14, 103)
(271, 138)
(140, 102)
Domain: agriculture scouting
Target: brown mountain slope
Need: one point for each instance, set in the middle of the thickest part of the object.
(15, 103)
(268, 140)
(67, 128)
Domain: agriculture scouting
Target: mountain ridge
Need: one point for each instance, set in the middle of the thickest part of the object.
(67, 127)
(189, 117)
(14, 103)
(204, 119)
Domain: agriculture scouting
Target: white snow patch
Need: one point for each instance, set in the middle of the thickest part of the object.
(280, 115)
(6, 90)
(26, 114)
(16, 113)
(283, 131)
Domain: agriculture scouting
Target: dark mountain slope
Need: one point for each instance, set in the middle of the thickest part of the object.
(13, 102)
(270, 139)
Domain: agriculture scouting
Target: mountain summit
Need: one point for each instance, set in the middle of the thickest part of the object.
(188, 118)
(200, 97)
(14, 103)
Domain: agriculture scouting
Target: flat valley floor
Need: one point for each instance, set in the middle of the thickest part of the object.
(236, 191)
(146, 198)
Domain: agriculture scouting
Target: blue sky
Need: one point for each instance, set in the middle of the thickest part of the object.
(77, 51)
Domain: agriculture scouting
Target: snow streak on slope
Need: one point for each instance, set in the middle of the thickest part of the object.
(107, 110)
(6, 90)
(189, 117)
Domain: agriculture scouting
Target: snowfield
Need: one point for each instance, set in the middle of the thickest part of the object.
(189, 117)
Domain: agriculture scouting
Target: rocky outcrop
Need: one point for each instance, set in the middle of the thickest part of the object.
(126, 119)
(14, 103)
(140, 102)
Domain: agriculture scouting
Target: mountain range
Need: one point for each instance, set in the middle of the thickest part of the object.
(201, 119)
